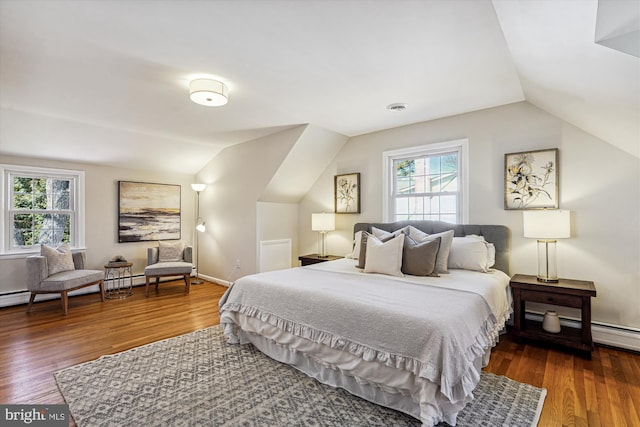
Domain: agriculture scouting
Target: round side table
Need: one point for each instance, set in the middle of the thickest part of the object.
(118, 280)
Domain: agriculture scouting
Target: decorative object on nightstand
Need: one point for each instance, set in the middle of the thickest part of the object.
(323, 223)
(547, 226)
(551, 322)
(565, 293)
(315, 259)
(200, 228)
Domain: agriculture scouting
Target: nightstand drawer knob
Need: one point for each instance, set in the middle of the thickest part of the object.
(549, 299)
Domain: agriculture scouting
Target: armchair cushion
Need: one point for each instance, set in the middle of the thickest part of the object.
(70, 280)
(58, 259)
(170, 251)
(168, 268)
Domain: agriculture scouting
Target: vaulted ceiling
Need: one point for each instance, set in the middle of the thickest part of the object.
(107, 81)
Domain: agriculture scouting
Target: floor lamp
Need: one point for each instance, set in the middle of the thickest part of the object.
(200, 228)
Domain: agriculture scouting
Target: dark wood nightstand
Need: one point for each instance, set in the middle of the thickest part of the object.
(315, 258)
(565, 293)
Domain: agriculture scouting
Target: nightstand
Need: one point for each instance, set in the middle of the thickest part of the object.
(565, 293)
(315, 258)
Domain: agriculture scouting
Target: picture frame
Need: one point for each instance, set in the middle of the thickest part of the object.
(346, 189)
(148, 211)
(531, 180)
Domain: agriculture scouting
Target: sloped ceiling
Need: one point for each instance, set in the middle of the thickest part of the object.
(107, 82)
(563, 71)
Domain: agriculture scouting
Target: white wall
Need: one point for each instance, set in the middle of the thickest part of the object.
(598, 182)
(101, 204)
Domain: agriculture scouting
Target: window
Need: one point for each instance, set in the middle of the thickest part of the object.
(41, 206)
(426, 183)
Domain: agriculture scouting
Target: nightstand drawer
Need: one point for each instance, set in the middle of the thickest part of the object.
(547, 298)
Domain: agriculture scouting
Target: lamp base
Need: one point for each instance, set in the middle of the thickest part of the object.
(547, 280)
(197, 282)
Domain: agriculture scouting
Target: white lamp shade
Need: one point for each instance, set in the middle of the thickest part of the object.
(547, 224)
(323, 222)
(198, 187)
(208, 92)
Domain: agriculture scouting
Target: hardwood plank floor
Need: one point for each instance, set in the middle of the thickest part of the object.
(603, 391)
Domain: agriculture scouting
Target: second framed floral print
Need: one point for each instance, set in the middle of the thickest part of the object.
(531, 180)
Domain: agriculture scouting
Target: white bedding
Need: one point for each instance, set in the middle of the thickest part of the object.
(419, 336)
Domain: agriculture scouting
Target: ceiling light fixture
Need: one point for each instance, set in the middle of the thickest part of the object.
(398, 106)
(208, 92)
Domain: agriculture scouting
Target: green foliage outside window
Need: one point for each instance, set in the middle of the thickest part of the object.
(40, 211)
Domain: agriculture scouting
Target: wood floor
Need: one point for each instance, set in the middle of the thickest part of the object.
(604, 391)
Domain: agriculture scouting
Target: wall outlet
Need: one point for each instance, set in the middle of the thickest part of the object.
(238, 263)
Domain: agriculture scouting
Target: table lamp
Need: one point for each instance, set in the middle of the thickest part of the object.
(323, 223)
(547, 226)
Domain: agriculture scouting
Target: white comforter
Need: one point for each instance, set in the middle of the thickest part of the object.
(436, 328)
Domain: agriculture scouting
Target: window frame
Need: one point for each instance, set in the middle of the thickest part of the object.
(461, 146)
(77, 230)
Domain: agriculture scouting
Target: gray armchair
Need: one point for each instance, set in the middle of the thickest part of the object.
(40, 282)
(156, 268)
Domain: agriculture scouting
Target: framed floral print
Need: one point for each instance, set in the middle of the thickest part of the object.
(531, 180)
(347, 193)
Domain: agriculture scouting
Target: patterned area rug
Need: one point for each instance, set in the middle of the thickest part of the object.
(198, 379)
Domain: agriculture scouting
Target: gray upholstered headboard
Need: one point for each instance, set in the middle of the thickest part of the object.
(499, 235)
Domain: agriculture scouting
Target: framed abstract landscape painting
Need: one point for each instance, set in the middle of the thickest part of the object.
(148, 211)
(531, 180)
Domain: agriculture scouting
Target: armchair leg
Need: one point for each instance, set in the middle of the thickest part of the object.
(187, 282)
(65, 302)
(31, 299)
(102, 290)
(157, 283)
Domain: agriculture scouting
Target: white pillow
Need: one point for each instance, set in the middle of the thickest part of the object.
(170, 251)
(384, 258)
(470, 253)
(356, 246)
(58, 259)
(446, 238)
(382, 234)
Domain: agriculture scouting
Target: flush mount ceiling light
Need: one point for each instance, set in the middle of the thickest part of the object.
(398, 106)
(208, 92)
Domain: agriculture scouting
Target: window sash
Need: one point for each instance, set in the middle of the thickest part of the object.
(417, 193)
(56, 214)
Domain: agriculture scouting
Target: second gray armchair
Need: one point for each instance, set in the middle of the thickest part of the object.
(166, 260)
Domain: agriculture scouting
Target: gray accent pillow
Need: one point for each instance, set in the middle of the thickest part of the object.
(419, 258)
(442, 262)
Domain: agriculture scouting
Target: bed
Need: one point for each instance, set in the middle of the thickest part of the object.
(412, 342)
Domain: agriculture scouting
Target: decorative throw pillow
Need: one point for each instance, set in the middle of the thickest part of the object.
(470, 252)
(364, 238)
(170, 251)
(58, 259)
(446, 237)
(357, 240)
(386, 235)
(419, 259)
(385, 257)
